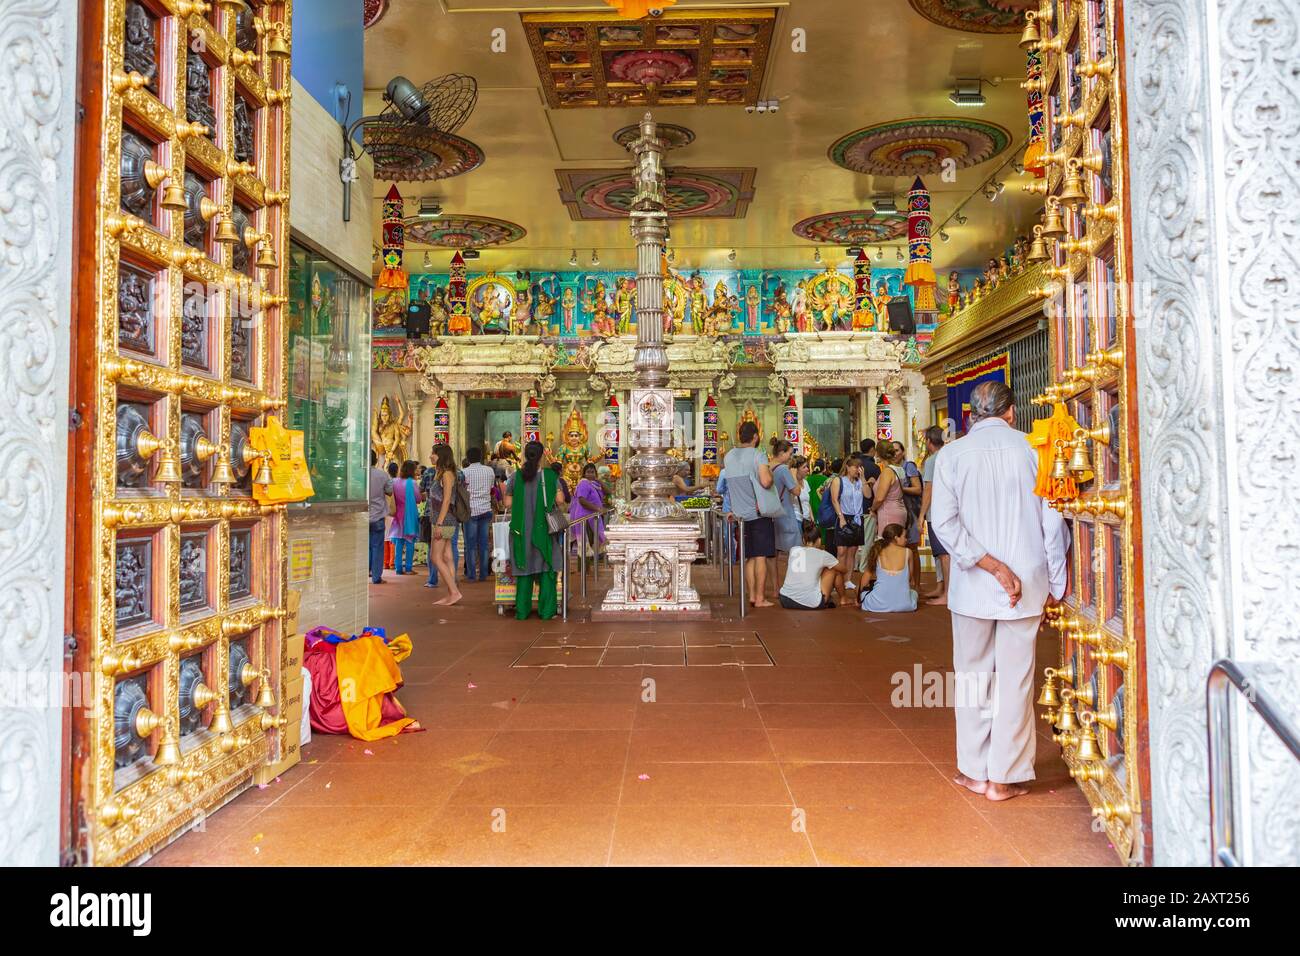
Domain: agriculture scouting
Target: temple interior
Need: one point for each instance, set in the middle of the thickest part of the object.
(328, 258)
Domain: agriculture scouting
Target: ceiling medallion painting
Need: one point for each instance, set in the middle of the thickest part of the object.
(851, 228)
(463, 232)
(977, 16)
(691, 193)
(684, 57)
(372, 11)
(919, 147)
(408, 153)
(673, 136)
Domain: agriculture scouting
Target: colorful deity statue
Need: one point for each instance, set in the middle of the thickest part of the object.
(720, 315)
(573, 453)
(542, 311)
(699, 301)
(749, 415)
(389, 433)
(781, 308)
(625, 303)
(863, 319)
(569, 312)
(882, 300)
(493, 309)
(675, 296)
(597, 303)
(799, 308)
(390, 309)
(954, 292)
(844, 310)
(753, 310)
(523, 311)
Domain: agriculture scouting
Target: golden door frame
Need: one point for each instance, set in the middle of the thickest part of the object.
(181, 228)
(1102, 665)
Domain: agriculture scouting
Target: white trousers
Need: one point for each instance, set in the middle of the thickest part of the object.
(994, 664)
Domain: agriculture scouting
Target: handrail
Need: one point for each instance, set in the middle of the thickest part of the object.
(1224, 675)
(582, 558)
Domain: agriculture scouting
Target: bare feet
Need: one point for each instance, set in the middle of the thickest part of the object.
(974, 786)
(941, 601)
(455, 598)
(1004, 791)
(764, 603)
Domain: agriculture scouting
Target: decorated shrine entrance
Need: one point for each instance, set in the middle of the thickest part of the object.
(488, 416)
(830, 423)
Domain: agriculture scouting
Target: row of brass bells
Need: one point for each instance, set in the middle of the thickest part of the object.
(1049, 697)
(1072, 194)
(1038, 248)
(1053, 226)
(1060, 469)
(169, 464)
(1088, 751)
(1079, 460)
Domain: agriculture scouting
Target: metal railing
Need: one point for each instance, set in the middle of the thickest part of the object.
(727, 560)
(580, 526)
(1224, 676)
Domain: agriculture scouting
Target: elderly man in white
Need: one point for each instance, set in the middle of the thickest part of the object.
(1008, 558)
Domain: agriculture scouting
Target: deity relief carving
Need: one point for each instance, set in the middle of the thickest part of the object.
(198, 92)
(651, 578)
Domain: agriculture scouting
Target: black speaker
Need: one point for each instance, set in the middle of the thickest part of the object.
(900, 316)
(417, 319)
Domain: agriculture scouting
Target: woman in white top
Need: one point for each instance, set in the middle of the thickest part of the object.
(801, 468)
(810, 574)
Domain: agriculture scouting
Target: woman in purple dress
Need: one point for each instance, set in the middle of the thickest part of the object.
(588, 499)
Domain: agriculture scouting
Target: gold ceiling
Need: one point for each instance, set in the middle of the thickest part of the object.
(835, 66)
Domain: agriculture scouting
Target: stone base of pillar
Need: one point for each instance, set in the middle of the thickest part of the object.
(652, 562)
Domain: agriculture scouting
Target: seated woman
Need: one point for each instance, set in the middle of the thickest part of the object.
(889, 566)
(809, 574)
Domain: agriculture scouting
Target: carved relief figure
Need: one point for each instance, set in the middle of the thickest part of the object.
(198, 92)
(141, 48)
(597, 303)
(389, 434)
(625, 303)
(569, 310)
(752, 310)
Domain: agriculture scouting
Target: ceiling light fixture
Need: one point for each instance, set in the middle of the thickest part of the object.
(968, 92)
(731, 256)
(428, 260)
(430, 208)
(672, 255)
(884, 205)
(595, 259)
(880, 252)
(817, 255)
(943, 236)
(573, 257)
(899, 256)
(469, 254)
(961, 220)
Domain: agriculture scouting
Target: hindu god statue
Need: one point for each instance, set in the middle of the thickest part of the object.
(954, 293)
(781, 308)
(625, 303)
(799, 308)
(389, 434)
(699, 303)
(602, 323)
(573, 454)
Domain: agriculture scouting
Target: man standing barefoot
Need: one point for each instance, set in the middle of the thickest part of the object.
(1008, 554)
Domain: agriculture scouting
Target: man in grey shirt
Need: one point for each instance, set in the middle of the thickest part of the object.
(744, 465)
(381, 485)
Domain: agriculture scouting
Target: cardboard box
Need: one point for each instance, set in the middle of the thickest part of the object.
(294, 647)
(291, 606)
(290, 734)
(305, 731)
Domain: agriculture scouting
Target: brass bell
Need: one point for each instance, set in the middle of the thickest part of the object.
(169, 467)
(1038, 248)
(1066, 673)
(273, 723)
(221, 721)
(1119, 658)
(1113, 811)
(222, 473)
(1065, 721)
(248, 673)
(1072, 194)
(204, 448)
(1052, 226)
(1079, 460)
(1060, 471)
(226, 231)
(173, 197)
(146, 443)
(276, 47)
(266, 258)
(1030, 38)
(266, 698)
(169, 751)
(1088, 751)
(1108, 718)
(202, 695)
(1049, 697)
(264, 476)
(208, 209)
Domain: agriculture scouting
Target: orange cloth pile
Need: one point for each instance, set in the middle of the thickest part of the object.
(367, 674)
(1060, 426)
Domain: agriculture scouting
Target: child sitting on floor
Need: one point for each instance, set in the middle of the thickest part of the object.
(810, 574)
(889, 569)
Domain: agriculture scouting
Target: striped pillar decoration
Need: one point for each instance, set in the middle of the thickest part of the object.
(441, 423)
(790, 421)
(709, 448)
(610, 435)
(532, 424)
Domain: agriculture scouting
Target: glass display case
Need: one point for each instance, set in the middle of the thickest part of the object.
(329, 373)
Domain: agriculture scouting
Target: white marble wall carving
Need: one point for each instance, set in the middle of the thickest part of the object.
(37, 81)
(1214, 108)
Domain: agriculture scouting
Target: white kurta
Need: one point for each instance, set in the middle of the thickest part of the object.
(984, 503)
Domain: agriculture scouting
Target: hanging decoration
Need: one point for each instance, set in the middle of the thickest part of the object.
(1053, 438)
(864, 312)
(532, 423)
(920, 273)
(709, 456)
(884, 420)
(442, 423)
(636, 9)
(458, 297)
(393, 275)
(610, 435)
(790, 421)
(1037, 147)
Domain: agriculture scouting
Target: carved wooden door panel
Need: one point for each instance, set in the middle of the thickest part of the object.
(178, 572)
(1100, 678)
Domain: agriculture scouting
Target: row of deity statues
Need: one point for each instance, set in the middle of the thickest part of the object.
(996, 271)
(604, 305)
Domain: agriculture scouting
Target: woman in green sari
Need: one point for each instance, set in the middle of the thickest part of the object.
(535, 553)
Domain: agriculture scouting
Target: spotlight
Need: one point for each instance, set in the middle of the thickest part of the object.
(672, 255)
(817, 255)
(943, 236)
(1019, 167)
(595, 259)
(880, 252)
(961, 220)
(573, 258)
(899, 255)
(968, 93)
(731, 256)
(428, 261)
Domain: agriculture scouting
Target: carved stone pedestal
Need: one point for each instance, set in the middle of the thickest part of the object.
(652, 569)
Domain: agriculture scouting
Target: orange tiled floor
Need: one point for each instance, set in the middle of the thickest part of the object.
(803, 763)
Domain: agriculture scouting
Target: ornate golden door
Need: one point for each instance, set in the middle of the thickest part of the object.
(1100, 680)
(179, 578)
